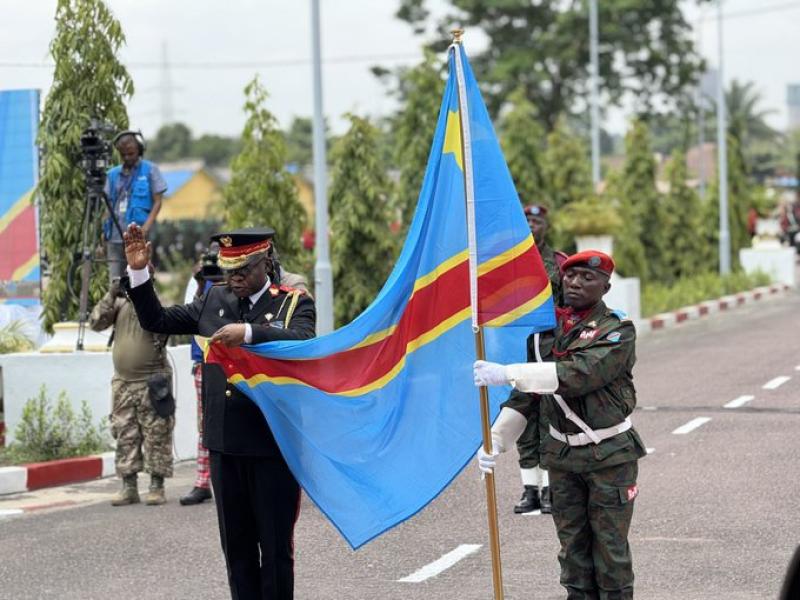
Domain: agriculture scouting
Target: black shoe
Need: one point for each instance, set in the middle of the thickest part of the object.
(529, 501)
(196, 496)
(544, 500)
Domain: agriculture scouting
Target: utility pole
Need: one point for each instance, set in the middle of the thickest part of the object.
(323, 277)
(166, 88)
(722, 157)
(594, 100)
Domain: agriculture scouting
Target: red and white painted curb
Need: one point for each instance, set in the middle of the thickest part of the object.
(690, 313)
(34, 476)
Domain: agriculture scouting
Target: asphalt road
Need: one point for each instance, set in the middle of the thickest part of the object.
(717, 515)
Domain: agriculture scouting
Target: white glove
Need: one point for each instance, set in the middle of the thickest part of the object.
(487, 462)
(489, 373)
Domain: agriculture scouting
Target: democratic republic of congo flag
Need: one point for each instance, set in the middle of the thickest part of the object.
(378, 417)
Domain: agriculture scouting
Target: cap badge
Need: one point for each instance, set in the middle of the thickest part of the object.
(221, 312)
(226, 241)
(594, 261)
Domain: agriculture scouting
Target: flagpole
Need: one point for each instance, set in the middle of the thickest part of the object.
(480, 352)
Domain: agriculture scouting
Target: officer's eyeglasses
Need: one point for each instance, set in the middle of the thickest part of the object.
(242, 271)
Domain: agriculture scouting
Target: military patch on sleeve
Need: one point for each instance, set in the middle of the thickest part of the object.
(278, 324)
(614, 336)
(632, 492)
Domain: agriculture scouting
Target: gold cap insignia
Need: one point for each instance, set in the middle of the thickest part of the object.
(226, 241)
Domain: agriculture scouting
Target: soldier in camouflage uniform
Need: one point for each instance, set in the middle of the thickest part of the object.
(144, 438)
(535, 480)
(585, 388)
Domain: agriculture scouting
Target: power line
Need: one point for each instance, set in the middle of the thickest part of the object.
(735, 14)
(263, 64)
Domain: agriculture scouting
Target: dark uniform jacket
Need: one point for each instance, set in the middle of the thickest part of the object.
(594, 361)
(233, 424)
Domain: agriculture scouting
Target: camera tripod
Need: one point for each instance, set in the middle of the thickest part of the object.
(96, 201)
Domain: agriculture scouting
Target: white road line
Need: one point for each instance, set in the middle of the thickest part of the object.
(773, 384)
(650, 450)
(691, 425)
(445, 562)
(740, 401)
(797, 368)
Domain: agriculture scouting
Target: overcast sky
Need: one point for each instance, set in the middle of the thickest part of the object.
(762, 43)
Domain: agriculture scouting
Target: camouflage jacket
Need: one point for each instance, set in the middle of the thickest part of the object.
(593, 363)
(551, 265)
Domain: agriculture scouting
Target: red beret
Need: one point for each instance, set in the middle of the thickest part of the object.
(593, 259)
(536, 210)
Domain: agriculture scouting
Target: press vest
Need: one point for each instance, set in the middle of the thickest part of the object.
(140, 200)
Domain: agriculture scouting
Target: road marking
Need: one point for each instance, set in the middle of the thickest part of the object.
(691, 425)
(10, 512)
(740, 401)
(773, 384)
(650, 450)
(445, 562)
(797, 368)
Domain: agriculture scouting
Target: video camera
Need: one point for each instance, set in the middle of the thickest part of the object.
(96, 152)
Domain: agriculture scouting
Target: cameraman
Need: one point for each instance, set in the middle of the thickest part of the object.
(135, 189)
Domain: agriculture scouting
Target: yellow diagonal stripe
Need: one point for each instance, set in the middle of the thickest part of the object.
(16, 208)
(22, 271)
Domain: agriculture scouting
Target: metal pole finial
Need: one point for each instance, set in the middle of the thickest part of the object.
(457, 33)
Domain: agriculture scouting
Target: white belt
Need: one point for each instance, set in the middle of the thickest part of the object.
(581, 439)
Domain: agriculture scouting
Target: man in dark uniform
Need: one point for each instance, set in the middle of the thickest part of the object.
(256, 495)
(585, 388)
(535, 481)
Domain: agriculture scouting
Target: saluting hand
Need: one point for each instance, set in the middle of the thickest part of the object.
(137, 249)
(230, 335)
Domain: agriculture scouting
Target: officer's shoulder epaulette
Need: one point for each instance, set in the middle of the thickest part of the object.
(277, 289)
(620, 314)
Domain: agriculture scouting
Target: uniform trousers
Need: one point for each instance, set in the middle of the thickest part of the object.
(203, 477)
(258, 501)
(592, 513)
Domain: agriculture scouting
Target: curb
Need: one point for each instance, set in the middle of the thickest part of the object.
(26, 478)
(703, 309)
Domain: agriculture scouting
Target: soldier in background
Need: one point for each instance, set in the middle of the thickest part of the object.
(585, 389)
(535, 481)
(142, 406)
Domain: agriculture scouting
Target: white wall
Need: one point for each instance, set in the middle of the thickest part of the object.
(87, 376)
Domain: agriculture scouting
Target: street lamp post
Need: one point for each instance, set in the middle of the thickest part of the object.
(323, 278)
(722, 158)
(594, 100)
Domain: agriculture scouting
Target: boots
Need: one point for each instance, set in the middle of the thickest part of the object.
(195, 496)
(529, 501)
(129, 494)
(544, 499)
(155, 495)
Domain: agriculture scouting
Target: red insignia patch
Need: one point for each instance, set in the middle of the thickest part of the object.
(633, 491)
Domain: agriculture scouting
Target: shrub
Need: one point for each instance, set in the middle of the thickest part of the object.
(49, 433)
(658, 297)
(13, 338)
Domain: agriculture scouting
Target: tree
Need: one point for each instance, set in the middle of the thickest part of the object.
(261, 190)
(88, 82)
(215, 150)
(647, 53)
(523, 141)
(642, 200)
(173, 142)
(362, 246)
(413, 127)
(629, 254)
(683, 211)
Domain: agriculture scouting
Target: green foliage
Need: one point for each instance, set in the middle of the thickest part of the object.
(642, 202)
(173, 142)
(523, 140)
(689, 251)
(362, 244)
(88, 82)
(628, 249)
(413, 127)
(47, 432)
(589, 216)
(13, 338)
(660, 297)
(543, 46)
(261, 191)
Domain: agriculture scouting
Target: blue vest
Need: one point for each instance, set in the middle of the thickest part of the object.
(140, 200)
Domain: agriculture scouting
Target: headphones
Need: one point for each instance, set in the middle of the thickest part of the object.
(137, 136)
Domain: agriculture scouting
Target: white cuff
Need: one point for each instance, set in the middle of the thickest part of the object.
(248, 334)
(538, 378)
(138, 276)
(507, 428)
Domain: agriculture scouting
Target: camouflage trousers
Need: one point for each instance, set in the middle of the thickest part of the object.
(144, 439)
(528, 442)
(592, 512)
